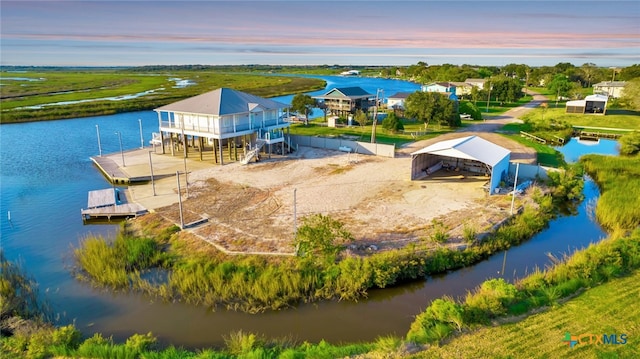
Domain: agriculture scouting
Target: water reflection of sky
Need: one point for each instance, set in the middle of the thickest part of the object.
(575, 148)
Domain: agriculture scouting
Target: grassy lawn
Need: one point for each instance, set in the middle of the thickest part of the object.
(495, 108)
(547, 155)
(615, 118)
(610, 308)
(363, 133)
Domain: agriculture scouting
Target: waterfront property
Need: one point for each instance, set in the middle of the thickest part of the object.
(346, 100)
(239, 121)
(471, 154)
(447, 89)
(396, 101)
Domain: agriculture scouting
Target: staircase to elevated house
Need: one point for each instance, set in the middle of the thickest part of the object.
(253, 152)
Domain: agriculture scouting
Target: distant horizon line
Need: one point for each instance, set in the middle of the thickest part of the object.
(289, 65)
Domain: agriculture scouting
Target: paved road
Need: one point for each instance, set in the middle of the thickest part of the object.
(494, 123)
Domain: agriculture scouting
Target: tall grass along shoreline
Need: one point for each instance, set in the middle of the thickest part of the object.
(254, 284)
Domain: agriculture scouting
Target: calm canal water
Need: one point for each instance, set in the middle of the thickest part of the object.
(46, 174)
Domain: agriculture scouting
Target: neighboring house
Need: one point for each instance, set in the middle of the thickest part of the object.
(346, 100)
(590, 104)
(462, 89)
(479, 83)
(223, 117)
(446, 88)
(612, 89)
(396, 101)
(439, 87)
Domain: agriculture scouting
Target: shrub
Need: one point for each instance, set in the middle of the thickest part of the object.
(469, 233)
(446, 310)
(67, 337)
(239, 342)
(439, 234)
(392, 123)
(492, 299)
(470, 109)
(140, 343)
(629, 143)
(321, 235)
(94, 347)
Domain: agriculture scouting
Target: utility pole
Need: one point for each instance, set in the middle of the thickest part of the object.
(375, 116)
(180, 200)
(153, 185)
(515, 184)
(295, 214)
(613, 78)
(184, 147)
(489, 98)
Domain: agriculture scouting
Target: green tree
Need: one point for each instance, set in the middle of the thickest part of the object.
(516, 71)
(431, 106)
(588, 72)
(630, 98)
(361, 118)
(470, 109)
(561, 86)
(392, 123)
(506, 89)
(321, 235)
(303, 104)
(629, 73)
(476, 94)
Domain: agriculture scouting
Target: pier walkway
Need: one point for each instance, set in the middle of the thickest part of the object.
(136, 174)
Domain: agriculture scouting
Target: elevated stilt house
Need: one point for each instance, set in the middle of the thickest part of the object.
(224, 120)
(343, 101)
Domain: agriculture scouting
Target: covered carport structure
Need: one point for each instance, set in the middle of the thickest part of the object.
(591, 104)
(469, 154)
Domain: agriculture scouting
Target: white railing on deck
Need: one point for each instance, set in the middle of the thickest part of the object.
(227, 129)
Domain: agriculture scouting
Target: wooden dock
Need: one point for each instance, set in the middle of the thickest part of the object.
(110, 203)
(114, 174)
(533, 137)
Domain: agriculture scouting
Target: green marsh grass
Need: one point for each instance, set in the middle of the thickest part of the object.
(619, 181)
(73, 85)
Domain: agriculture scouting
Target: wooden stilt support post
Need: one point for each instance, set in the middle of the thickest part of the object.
(215, 150)
(172, 143)
(220, 148)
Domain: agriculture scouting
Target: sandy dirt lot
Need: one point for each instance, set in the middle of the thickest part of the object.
(251, 207)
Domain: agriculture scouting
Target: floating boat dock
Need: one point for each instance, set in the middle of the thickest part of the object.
(110, 203)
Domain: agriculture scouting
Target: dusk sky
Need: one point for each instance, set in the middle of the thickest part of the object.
(124, 33)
